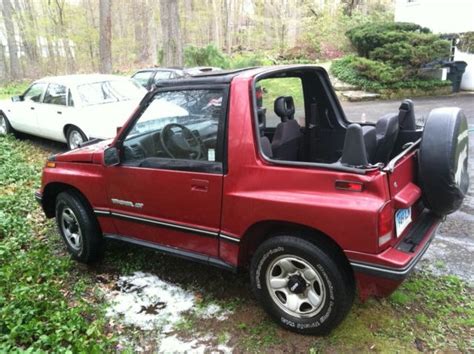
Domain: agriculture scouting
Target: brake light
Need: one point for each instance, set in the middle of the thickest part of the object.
(385, 224)
(350, 186)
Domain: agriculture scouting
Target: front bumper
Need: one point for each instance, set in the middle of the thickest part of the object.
(381, 274)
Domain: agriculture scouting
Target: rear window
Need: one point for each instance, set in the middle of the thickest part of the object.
(109, 91)
(271, 89)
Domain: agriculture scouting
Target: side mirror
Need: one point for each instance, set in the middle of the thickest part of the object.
(17, 98)
(111, 156)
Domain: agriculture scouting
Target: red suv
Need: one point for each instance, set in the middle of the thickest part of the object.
(259, 169)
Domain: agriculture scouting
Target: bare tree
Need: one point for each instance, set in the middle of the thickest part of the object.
(172, 43)
(7, 10)
(105, 43)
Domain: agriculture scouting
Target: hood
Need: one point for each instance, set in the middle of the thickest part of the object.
(87, 154)
(110, 116)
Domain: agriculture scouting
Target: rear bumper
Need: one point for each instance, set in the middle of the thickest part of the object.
(382, 273)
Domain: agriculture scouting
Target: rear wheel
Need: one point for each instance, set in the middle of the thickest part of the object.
(302, 286)
(75, 137)
(5, 126)
(78, 227)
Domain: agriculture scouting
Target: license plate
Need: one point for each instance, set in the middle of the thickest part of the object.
(402, 220)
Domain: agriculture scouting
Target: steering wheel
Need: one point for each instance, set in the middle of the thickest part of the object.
(180, 142)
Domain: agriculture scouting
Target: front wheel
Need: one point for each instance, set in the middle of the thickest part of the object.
(78, 227)
(75, 137)
(5, 126)
(302, 286)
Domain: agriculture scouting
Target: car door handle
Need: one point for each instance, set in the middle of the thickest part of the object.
(199, 185)
(32, 108)
(59, 112)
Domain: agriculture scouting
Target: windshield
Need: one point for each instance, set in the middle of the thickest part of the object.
(109, 91)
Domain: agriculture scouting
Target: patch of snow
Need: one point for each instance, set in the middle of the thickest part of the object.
(173, 344)
(144, 301)
(147, 302)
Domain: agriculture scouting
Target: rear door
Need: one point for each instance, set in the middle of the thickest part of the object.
(167, 191)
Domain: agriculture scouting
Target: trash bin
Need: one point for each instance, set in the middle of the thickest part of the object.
(456, 70)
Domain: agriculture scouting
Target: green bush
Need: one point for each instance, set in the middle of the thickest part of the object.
(376, 76)
(248, 60)
(466, 42)
(205, 56)
(391, 55)
(369, 36)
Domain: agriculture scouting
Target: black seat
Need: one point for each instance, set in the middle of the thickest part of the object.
(264, 141)
(287, 138)
(386, 130)
(359, 145)
(406, 115)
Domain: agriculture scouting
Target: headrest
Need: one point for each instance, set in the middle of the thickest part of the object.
(284, 108)
(406, 115)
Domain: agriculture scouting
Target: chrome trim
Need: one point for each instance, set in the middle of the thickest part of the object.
(38, 197)
(391, 165)
(102, 212)
(229, 238)
(163, 223)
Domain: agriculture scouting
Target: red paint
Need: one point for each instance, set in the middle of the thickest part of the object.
(251, 192)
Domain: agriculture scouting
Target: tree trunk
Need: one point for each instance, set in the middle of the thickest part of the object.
(15, 73)
(3, 64)
(229, 24)
(172, 42)
(105, 43)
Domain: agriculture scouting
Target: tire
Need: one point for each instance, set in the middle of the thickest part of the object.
(5, 126)
(322, 268)
(78, 227)
(443, 158)
(75, 137)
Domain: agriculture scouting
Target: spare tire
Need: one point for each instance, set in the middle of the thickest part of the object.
(443, 158)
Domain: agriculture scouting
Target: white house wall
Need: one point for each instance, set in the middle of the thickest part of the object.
(441, 16)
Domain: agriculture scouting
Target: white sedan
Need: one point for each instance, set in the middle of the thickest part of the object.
(73, 108)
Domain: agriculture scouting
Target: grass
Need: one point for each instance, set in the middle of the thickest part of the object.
(43, 299)
(13, 89)
(50, 303)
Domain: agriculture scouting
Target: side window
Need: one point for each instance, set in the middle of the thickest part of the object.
(35, 92)
(142, 77)
(178, 125)
(55, 94)
(162, 75)
(268, 90)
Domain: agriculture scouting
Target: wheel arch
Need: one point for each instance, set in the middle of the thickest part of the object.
(50, 193)
(69, 126)
(264, 230)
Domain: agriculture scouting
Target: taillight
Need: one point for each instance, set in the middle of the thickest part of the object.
(350, 186)
(385, 224)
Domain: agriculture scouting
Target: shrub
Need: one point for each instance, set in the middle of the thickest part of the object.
(466, 42)
(369, 36)
(376, 76)
(205, 56)
(248, 60)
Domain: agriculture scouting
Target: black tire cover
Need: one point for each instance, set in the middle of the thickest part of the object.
(443, 158)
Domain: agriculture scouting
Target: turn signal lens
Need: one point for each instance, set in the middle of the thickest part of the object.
(385, 224)
(350, 186)
(51, 164)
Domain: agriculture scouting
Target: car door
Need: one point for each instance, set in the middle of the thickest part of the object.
(23, 114)
(53, 112)
(168, 188)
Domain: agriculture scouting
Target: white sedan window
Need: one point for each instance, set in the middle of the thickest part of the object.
(109, 91)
